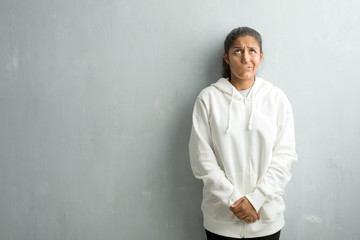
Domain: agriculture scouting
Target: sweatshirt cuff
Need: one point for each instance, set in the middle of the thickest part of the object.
(236, 195)
(256, 198)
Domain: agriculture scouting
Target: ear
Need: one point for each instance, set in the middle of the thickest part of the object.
(226, 58)
(261, 56)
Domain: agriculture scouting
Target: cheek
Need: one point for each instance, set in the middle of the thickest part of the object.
(233, 62)
(232, 59)
(256, 62)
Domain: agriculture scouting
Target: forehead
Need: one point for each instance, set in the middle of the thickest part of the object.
(247, 41)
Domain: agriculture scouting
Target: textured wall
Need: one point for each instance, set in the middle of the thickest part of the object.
(95, 113)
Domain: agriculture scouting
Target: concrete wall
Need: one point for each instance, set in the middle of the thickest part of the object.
(95, 113)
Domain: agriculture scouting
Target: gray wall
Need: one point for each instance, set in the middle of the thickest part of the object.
(96, 100)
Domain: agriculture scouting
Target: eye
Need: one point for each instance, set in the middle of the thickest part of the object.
(253, 51)
(237, 51)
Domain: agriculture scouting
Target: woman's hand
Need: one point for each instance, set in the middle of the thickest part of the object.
(251, 219)
(243, 210)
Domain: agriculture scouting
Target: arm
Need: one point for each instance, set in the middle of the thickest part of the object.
(203, 161)
(277, 176)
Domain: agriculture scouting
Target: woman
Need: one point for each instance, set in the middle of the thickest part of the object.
(242, 145)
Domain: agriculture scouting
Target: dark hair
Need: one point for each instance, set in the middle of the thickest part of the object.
(233, 35)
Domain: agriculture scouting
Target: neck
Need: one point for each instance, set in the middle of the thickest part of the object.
(241, 84)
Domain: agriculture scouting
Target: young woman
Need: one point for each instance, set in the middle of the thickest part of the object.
(242, 145)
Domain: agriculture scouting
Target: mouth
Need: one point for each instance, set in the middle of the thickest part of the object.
(249, 67)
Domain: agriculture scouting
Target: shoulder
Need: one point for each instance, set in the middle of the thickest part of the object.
(206, 93)
(272, 91)
(210, 92)
(273, 95)
(279, 94)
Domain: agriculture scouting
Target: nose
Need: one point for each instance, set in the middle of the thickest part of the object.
(245, 57)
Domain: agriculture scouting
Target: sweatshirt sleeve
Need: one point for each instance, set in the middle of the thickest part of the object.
(203, 160)
(273, 183)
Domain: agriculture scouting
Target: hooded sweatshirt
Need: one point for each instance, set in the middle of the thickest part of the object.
(242, 147)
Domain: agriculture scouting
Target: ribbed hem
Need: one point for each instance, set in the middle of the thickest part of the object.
(240, 229)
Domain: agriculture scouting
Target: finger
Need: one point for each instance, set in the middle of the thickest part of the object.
(240, 210)
(258, 215)
(237, 210)
(249, 220)
(237, 203)
(243, 216)
(252, 217)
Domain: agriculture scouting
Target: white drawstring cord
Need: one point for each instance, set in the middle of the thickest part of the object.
(229, 115)
(251, 114)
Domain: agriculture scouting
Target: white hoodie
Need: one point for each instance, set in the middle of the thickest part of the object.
(242, 147)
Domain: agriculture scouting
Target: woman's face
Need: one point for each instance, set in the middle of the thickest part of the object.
(244, 57)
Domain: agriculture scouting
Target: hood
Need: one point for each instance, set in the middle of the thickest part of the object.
(259, 88)
(226, 87)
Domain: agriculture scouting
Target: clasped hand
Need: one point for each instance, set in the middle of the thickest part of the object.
(243, 210)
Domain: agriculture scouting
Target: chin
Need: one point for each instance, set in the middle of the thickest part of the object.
(247, 77)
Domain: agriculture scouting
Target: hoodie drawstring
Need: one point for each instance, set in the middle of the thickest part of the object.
(251, 114)
(229, 116)
(225, 87)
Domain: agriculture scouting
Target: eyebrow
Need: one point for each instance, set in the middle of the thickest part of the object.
(236, 46)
